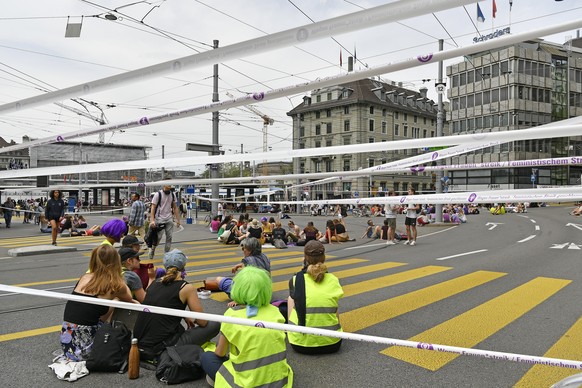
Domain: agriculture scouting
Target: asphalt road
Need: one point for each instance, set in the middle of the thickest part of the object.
(509, 283)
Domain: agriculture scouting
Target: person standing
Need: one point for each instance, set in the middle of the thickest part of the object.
(8, 209)
(54, 212)
(410, 221)
(220, 211)
(163, 209)
(390, 211)
(136, 216)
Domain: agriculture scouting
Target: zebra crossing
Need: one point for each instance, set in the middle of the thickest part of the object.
(370, 279)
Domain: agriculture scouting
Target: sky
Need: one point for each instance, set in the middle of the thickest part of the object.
(35, 57)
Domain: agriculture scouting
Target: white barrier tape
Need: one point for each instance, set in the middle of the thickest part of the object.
(81, 213)
(339, 25)
(571, 127)
(514, 357)
(562, 194)
(295, 89)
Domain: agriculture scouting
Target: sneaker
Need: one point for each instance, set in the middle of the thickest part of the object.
(413, 242)
(406, 242)
(150, 253)
(390, 242)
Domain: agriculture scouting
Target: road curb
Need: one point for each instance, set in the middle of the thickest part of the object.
(39, 249)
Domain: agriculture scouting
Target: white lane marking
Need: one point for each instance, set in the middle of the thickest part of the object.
(534, 221)
(461, 254)
(493, 225)
(537, 227)
(577, 226)
(8, 257)
(527, 238)
(375, 245)
(560, 246)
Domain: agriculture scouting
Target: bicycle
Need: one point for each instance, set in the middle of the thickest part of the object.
(207, 220)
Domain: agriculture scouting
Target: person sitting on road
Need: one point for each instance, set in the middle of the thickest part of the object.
(329, 236)
(95, 230)
(253, 256)
(113, 230)
(215, 224)
(80, 223)
(130, 262)
(422, 219)
(313, 300)
(250, 356)
(341, 235)
(267, 228)
(45, 226)
(155, 332)
(577, 211)
(279, 233)
(294, 232)
(369, 231)
(310, 232)
(255, 230)
(81, 320)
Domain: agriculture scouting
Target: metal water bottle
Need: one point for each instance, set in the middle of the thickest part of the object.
(133, 364)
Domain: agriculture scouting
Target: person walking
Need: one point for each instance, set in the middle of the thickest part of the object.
(163, 209)
(390, 211)
(54, 212)
(410, 221)
(136, 219)
(8, 208)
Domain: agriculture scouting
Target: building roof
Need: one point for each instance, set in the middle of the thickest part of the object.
(365, 91)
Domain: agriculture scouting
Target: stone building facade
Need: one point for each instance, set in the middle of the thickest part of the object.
(363, 111)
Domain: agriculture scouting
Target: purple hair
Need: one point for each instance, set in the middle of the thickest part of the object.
(114, 228)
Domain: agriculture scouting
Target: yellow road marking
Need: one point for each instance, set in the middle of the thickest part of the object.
(29, 333)
(567, 347)
(280, 286)
(475, 325)
(382, 311)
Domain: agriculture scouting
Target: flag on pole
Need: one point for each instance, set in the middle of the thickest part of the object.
(494, 9)
(480, 16)
(341, 62)
(510, 5)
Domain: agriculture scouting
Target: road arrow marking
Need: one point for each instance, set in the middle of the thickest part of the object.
(577, 226)
(560, 246)
(574, 246)
(493, 225)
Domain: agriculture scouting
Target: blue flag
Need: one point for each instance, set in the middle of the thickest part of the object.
(480, 16)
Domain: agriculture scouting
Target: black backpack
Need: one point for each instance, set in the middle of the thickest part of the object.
(179, 364)
(110, 348)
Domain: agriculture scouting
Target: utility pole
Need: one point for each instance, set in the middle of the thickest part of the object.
(241, 163)
(440, 124)
(163, 169)
(214, 167)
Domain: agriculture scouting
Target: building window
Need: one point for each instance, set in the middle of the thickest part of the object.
(302, 168)
(328, 96)
(370, 140)
(328, 166)
(405, 116)
(345, 94)
(317, 166)
(301, 131)
(424, 120)
(384, 112)
(371, 125)
(346, 110)
(415, 119)
(347, 166)
(424, 133)
(405, 130)
(370, 162)
(318, 144)
(396, 115)
(396, 129)
(328, 113)
(346, 125)
(301, 117)
(318, 129)
(301, 146)
(415, 132)
(317, 114)
(384, 127)
(328, 143)
(347, 140)
(328, 128)
(318, 98)
(372, 110)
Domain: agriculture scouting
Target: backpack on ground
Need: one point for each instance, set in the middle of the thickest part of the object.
(179, 364)
(400, 236)
(110, 348)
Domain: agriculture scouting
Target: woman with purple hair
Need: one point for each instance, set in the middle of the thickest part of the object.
(113, 230)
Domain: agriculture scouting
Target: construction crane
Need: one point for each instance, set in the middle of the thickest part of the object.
(266, 122)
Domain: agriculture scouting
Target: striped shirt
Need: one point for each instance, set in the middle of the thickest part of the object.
(136, 216)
